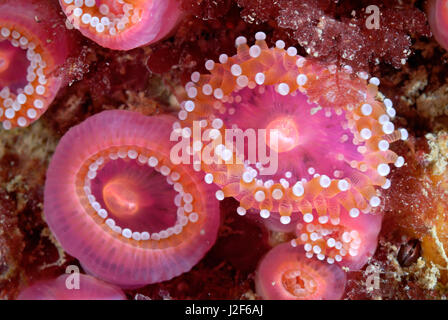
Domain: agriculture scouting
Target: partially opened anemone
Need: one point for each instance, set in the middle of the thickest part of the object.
(438, 20)
(123, 24)
(116, 202)
(62, 289)
(286, 274)
(33, 45)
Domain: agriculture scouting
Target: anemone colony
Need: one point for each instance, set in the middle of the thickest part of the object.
(115, 200)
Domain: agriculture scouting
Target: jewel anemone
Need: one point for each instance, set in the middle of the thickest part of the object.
(123, 25)
(438, 20)
(115, 201)
(58, 289)
(330, 130)
(33, 45)
(286, 274)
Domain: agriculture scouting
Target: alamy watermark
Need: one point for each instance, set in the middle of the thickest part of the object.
(72, 282)
(373, 279)
(373, 20)
(235, 146)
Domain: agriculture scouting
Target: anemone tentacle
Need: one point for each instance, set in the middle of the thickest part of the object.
(85, 287)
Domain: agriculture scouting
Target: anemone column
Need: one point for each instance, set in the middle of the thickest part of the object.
(61, 288)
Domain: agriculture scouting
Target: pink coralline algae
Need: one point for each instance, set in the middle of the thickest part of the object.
(34, 43)
(286, 274)
(328, 128)
(438, 19)
(123, 25)
(64, 288)
(116, 202)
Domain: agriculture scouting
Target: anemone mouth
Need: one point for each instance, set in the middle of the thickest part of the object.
(282, 135)
(298, 284)
(336, 132)
(119, 200)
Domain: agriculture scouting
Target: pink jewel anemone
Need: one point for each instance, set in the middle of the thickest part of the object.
(115, 201)
(33, 45)
(58, 289)
(329, 129)
(123, 24)
(438, 20)
(286, 274)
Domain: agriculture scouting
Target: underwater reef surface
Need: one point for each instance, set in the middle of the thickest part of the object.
(410, 260)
